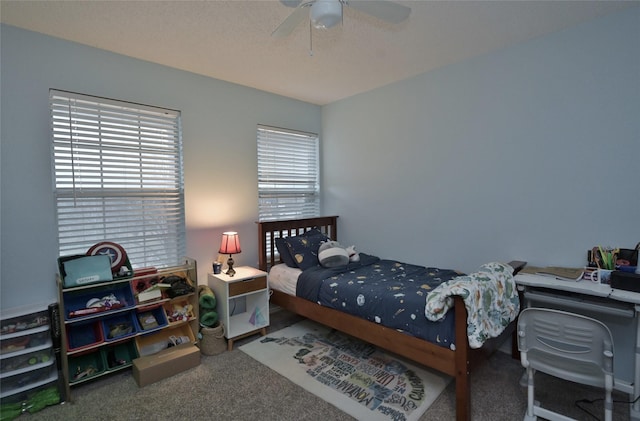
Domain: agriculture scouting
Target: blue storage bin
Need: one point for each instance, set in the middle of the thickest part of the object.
(83, 335)
(119, 326)
(114, 297)
(151, 318)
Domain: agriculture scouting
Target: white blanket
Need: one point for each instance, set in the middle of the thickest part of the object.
(489, 295)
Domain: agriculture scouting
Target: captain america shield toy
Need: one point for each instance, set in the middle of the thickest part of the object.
(115, 252)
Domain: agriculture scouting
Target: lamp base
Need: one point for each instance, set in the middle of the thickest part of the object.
(230, 271)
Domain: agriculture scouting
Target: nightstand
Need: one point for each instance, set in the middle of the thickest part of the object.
(243, 302)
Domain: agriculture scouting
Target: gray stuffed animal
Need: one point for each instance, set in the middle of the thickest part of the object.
(331, 254)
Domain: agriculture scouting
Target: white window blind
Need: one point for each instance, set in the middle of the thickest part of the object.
(118, 177)
(288, 174)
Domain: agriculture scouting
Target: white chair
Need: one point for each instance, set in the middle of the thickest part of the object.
(565, 345)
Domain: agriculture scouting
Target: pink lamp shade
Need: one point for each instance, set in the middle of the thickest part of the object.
(230, 243)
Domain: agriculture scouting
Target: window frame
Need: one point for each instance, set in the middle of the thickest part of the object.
(118, 176)
(288, 174)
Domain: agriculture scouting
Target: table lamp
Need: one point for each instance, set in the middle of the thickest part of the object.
(230, 245)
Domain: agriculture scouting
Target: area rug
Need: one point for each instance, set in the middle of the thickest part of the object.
(354, 376)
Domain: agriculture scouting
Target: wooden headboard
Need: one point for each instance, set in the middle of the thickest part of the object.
(268, 231)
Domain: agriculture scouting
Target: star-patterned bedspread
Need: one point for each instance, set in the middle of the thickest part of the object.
(489, 295)
(387, 292)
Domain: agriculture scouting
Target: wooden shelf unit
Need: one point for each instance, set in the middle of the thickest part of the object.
(92, 345)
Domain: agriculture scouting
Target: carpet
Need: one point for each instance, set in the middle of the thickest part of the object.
(352, 375)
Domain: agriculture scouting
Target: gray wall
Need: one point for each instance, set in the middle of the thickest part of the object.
(529, 153)
(219, 131)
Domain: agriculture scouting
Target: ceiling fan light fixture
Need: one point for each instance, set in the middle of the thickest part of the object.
(326, 13)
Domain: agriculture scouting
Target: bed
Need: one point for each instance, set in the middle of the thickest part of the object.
(457, 361)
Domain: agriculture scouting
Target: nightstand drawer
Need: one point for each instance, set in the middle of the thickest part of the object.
(243, 287)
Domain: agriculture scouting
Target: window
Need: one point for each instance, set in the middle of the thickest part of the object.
(118, 177)
(288, 174)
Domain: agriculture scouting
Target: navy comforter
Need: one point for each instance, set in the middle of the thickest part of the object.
(387, 292)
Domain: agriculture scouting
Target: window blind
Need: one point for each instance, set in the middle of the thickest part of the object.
(118, 176)
(288, 174)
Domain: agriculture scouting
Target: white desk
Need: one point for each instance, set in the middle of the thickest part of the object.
(618, 309)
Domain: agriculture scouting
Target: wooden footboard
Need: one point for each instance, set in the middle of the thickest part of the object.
(458, 363)
(408, 346)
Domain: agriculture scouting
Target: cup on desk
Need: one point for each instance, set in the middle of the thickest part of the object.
(602, 276)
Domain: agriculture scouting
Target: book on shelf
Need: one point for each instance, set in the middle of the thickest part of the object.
(557, 272)
(152, 292)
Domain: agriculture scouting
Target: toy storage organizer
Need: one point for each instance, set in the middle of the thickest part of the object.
(106, 339)
(27, 360)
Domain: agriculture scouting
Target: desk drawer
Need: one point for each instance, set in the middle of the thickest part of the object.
(580, 303)
(250, 285)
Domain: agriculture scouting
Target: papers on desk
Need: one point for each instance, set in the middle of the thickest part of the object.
(556, 272)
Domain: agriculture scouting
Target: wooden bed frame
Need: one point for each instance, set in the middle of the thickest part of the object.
(458, 364)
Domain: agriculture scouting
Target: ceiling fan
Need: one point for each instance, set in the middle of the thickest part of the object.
(324, 14)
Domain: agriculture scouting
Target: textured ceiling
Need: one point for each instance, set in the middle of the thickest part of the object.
(231, 40)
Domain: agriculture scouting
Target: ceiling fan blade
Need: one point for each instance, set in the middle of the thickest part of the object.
(289, 24)
(384, 10)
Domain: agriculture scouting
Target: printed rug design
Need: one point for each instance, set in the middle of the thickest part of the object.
(352, 375)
